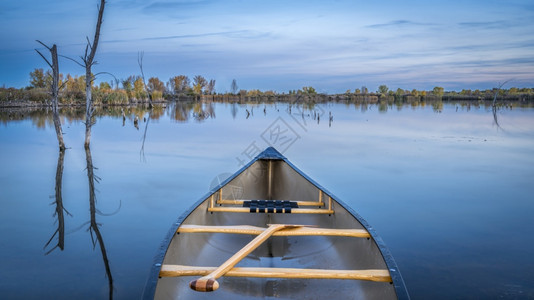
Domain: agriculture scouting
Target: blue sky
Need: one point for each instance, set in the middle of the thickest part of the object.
(282, 45)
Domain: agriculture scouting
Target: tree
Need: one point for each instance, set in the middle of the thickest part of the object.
(37, 78)
(154, 84)
(179, 84)
(234, 87)
(199, 83)
(156, 88)
(139, 89)
(127, 84)
(105, 86)
(75, 86)
(88, 60)
(309, 90)
(54, 65)
(383, 89)
(437, 91)
(210, 88)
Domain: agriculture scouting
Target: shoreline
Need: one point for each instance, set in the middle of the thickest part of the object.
(520, 100)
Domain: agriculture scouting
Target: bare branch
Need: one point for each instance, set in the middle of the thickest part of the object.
(85, 55)
(140, 56)
(88, 43)
(107, 73)
(44, 58)
(62, 85)
(38, 41)
(72, 60)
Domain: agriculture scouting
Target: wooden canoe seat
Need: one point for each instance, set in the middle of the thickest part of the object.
(254, 230)
(242, 202)
(269, 206)
(370, 275)
(293, 210)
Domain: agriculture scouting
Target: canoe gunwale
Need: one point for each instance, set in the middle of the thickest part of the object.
(272, 154)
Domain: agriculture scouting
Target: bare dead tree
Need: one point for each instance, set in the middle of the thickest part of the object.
(140, 56)
(88, 62)
(210, 88)
(54, 90)
(140, 62)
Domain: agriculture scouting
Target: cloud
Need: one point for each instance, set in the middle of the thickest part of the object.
(485, 25)
(236, 34)
(397, 23)
(168, 7)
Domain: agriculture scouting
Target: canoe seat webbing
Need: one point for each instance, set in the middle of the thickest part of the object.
(270, 206)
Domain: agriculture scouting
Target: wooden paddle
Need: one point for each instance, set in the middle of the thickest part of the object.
(209, 283)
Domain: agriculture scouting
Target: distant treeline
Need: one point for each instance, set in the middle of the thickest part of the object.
(132, 90)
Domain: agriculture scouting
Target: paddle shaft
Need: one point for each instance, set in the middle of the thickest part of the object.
(209, 283)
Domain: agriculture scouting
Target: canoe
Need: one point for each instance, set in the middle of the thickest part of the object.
(270, 231)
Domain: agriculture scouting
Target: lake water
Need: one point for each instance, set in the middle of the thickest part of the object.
(448, 190)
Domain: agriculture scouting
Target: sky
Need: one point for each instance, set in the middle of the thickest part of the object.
(332, 46)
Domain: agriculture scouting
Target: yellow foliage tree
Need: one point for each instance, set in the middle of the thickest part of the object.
(139, 89)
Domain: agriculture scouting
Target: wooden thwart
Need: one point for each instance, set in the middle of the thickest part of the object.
(254, 230)
(370, 275)
(293, 211)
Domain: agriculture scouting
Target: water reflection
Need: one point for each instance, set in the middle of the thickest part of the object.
(142, 152)
(233, 110)
(94, 230)
(180, 111)
(185, 111)
(60, 209)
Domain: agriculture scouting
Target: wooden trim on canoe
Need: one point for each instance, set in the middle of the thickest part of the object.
(254, 230)
(240, 202)
(293, 210)
(371, 274)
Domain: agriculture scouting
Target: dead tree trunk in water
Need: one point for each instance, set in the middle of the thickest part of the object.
(88, 60)
(55, 91)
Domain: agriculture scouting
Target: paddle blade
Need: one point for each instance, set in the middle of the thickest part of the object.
(204, 285)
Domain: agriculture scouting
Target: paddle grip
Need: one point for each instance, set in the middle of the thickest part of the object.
(204, 285)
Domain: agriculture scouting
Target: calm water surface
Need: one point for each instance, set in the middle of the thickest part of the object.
(449, 191)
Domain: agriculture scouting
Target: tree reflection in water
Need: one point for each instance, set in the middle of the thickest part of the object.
(94, 230)
(60, 231)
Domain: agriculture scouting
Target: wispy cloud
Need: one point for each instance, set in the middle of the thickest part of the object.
(169, 5)
(236, 34)
(485, 25)
(398, 23)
